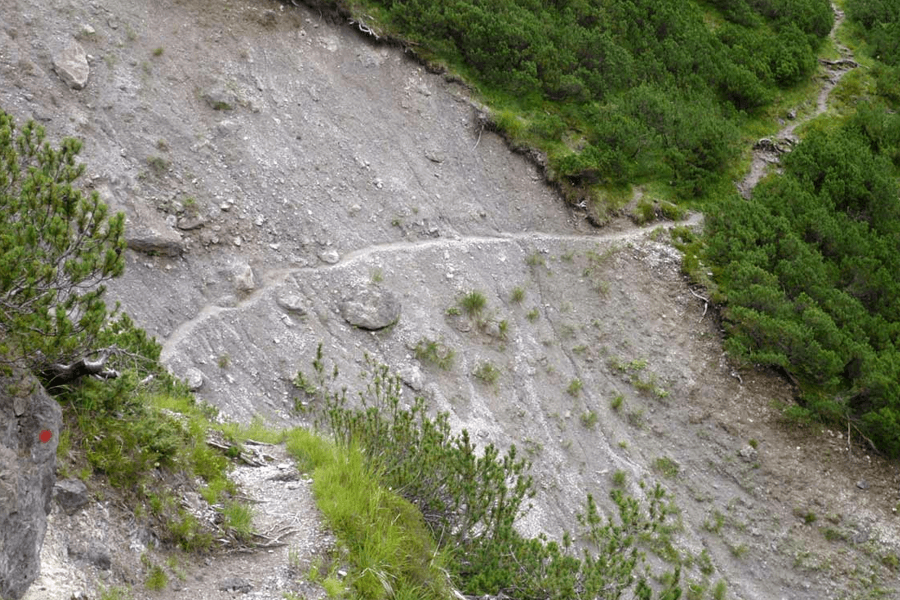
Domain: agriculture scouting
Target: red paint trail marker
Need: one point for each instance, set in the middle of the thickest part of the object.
(46, 435)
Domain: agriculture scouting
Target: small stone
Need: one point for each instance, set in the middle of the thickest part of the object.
(329, 256)
(237, 241)
(193, 378)
(235, 584)
(748, 453)
(190, 223)
(435, 156)
(71, 494)
(220, 99)
(72, 66)
(292, 303)
(862, 484)
(243, 278)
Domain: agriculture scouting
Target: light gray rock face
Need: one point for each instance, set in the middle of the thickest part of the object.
(72, 66)
(371, 308)
(27, 475)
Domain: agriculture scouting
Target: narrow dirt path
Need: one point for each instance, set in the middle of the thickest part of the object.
(768, 152)
(276, 277)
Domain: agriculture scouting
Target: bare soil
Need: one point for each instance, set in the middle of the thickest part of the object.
(343, 165)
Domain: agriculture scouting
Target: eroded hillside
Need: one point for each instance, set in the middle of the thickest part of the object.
(275, 165)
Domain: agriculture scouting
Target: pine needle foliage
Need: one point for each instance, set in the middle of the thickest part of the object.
(57, 248)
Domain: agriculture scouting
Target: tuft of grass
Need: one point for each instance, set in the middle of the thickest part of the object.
(533, 315)
(157, 579)
(223, 361)
(377, 276)
(719, 590)
(239, 518)
(666, 467)
(158, 52)
(473, 303)
(589, 419)
(535, 260)
(619, 478)
(517, 295)
(575, 387)
(435, 353)
(487, 373)
(158, 165)
(616, 402)
(115, 593)
(386, 537)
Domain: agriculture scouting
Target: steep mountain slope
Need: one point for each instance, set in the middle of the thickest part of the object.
(274, 165)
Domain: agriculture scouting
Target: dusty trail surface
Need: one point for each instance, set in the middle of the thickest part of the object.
(339, 166)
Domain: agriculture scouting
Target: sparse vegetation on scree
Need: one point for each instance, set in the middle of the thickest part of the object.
(669, 94)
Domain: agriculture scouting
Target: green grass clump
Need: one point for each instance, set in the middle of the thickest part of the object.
(473, 303)
(666, 467)
(157, 579)
(589, 419)
(385, 536)
(575, 387)
(435, 353)
(517, 295)
(617, 401)
(487, 373)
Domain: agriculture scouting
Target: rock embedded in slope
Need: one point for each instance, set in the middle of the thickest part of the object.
(70, 494)
(72, 66)
(147, 231)
(371, 308)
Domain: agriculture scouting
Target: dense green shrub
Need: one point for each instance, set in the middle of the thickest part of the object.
(811, 274)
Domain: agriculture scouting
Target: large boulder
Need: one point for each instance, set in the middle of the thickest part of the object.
(30, 421)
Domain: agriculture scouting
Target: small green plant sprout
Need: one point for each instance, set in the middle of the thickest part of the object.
(223, 361)
(533, 315)
(517, 295)
(158, 52)
(377, 276)
(162, 145)
(588, 419)
(473, 303)
(568, 256)
(616, 402)
(487, 373)
(574, 388)
(666, 467)
(435, 353)
(158, 165)
(503, 329)
(720, 589)
(239, 518)
(453, 311)
(535, 260)
(807, 516)
(157, 579)
(619, 477)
